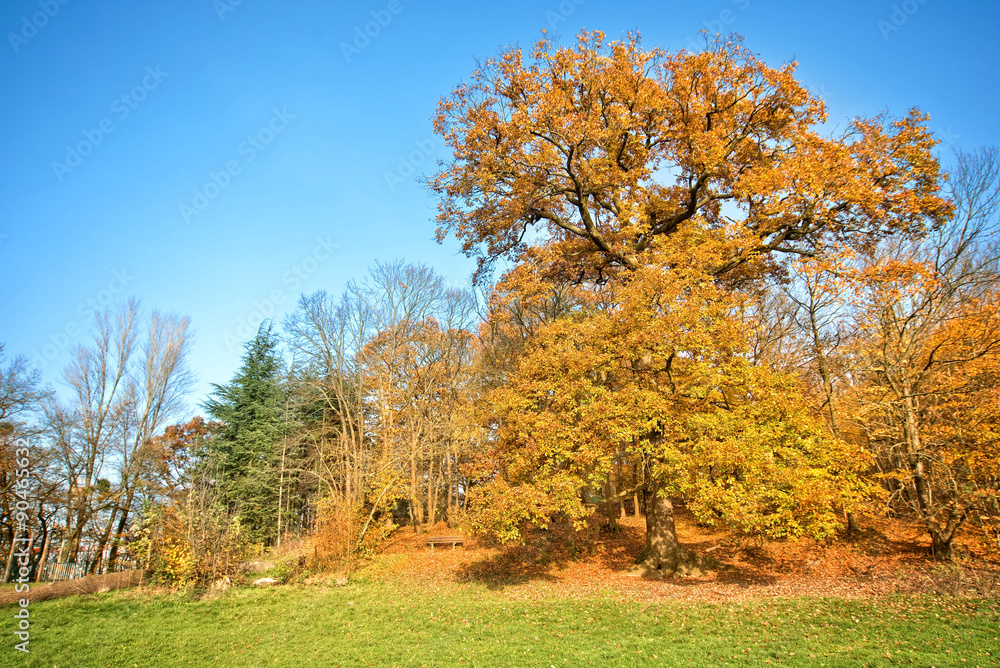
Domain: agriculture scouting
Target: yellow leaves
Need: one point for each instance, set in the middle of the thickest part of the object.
(345, 534)
(501, 510)
(766, 467)
(657, 371)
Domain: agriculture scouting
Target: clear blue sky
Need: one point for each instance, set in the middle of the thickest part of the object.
(309, 131)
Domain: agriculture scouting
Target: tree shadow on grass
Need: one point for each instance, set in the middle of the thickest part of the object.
(514, 565)
(621, 548)
(871, 541)
(551, 550)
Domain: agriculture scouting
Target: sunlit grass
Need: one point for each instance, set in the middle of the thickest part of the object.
(383, 624)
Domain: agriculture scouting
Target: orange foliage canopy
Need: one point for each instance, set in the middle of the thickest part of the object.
(604, 148)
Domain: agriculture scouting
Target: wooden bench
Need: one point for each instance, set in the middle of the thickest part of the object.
(445, 540)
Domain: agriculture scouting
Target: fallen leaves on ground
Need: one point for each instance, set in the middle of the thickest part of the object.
(888, 557)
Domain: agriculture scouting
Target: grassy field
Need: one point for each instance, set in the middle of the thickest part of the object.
(383, 624)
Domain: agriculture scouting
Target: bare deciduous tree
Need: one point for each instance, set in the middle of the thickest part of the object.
(124, 387)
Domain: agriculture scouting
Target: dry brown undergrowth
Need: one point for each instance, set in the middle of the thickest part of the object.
(90, 584)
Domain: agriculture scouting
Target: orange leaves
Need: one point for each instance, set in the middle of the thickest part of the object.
(618, 147)
(924, 347)
(633, 190)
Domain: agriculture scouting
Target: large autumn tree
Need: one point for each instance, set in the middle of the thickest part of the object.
(673, 180)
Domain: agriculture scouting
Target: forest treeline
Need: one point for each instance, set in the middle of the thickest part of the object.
(704, 299)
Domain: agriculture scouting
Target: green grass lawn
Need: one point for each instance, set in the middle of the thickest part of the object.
(379, 624)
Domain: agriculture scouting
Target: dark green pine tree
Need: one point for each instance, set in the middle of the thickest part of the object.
(252, 410)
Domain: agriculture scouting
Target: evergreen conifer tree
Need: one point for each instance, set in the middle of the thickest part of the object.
(251, 408)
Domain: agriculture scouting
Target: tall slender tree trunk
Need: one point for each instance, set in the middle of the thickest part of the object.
(449, 481)
(76, 534)
(621, 499)
(416, 505)
(40, 571)
(636, 510)
(99, 549)
(431, 514)
(116, 541)
(281, 475)
(120, 530)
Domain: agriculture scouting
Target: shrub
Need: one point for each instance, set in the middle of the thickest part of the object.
(345, 534)
(181, 548)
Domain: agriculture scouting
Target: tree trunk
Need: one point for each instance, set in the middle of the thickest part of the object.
(120, 532)
(431, 500)
(664, 555)
(621, 499)
(281, 476)
(636, 511)
(76, 534)
(609, 506)
(39, 571)
(941, 537)
(99, 550)
(449, 482)
(414, 501)
(942, 545)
